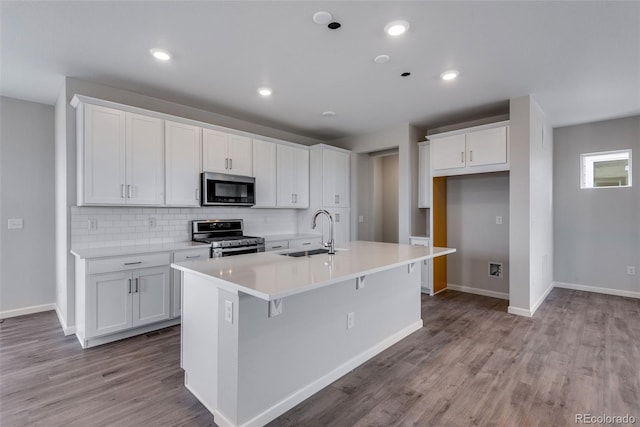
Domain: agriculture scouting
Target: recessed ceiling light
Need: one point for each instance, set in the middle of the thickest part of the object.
(395, 28)
(381, 59)
(449, 75)
(329, 113)
(264, 91)
(405, 74)
(334, 25)
(160, 54)
(322, 17)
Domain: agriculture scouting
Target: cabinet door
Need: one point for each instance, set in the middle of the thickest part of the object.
(285, 175)
(145, 160)
(487, 147)
(151, 295)
(104, 155)
(264, 170)
(424, 176)
(108, 303)
(240, 156)
(182, 153)
(448, 152)
(215, 156)
(301, 177)
(342, 225)
(335, 178)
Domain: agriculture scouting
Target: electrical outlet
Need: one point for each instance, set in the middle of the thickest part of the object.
(499, 220)
(93, 224)
(152, 223)
(361, 219)
(631, 270)
(228, 311)
(350, 320)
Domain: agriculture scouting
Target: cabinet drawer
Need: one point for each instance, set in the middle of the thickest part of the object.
(191, 255)
(305, 243)
(127, 263)
(277, 245)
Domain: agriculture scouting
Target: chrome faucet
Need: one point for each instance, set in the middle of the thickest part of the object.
(328, 244)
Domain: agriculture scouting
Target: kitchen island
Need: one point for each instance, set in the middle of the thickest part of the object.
(262, 332)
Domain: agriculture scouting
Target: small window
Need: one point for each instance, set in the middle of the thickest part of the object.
(605, 169)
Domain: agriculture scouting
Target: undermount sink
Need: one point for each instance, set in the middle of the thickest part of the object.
(306, 253)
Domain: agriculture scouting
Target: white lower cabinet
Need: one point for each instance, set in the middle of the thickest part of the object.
(176, 279)
(119, 297)
(276, 245)
(305, 243)
(127, 299)
(426, 265)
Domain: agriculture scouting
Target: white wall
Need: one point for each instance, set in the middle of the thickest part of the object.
(597, 231)
(66, 167)
(473, 202)
(26, 191)
(530, 206)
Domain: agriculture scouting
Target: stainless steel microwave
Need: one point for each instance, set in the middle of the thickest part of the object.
(220, 189)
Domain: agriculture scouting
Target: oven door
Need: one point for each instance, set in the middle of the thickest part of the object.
(230, 190)
(222, 252)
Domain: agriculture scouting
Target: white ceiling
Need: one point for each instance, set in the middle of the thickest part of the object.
(580, 60)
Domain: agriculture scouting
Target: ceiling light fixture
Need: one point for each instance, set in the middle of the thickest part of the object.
(381, 59)
(329, 113)
(264, 91)
(449, 75)
(322, 17)
(160, 54)
(396, 28)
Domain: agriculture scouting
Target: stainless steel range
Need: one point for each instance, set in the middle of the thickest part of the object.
(225, 237)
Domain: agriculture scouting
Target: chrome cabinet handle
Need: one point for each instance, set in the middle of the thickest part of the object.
(133, 263)
(296, 197)
(276, 247)
(193, 256)
(122, 194)
(462, 157)
(230, 163)
(337, 199)
(136, 284)
(471, 156)
(306, 243)
(129, 195)
(129, 285)
(291, 197)
(226, 163)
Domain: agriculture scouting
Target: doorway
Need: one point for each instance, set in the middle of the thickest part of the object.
(385, 196)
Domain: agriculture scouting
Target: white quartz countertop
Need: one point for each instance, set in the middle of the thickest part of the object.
(86, 253)
(296, 236)
(270, 275)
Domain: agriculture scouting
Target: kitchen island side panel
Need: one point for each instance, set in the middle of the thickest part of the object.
(285, 358)
(199, 338)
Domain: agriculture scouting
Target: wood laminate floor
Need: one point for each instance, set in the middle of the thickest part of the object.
(472, 364)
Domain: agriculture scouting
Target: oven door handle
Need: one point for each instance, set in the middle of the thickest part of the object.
(242, 248)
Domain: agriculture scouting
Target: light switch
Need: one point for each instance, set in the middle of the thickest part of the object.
(14, 223)
(499, 220)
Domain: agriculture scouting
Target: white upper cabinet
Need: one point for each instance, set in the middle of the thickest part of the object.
(474, 150)
(487, 147)
(226, 153)
(335, 178)
(449, 152)
(145, 160)
(424, 175)
(265, 172)
(292, 176)
(183, 157)
(101, 155)
(120, 157)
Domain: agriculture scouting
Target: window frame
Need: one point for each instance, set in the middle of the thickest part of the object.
(583, 162)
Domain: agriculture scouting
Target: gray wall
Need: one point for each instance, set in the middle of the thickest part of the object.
(27, 192)
(473, 202)
(597, 231)
(388, 220)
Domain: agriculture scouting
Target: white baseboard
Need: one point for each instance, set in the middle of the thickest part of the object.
(596, 289)
(67, 330)
(519, 311)
(478, 291)
(307, 391)
(541, 299)
(26, 310)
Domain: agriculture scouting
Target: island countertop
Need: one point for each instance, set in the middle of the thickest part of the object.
(271, 275)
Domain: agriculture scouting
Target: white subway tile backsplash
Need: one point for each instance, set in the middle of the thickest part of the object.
(122, 226)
